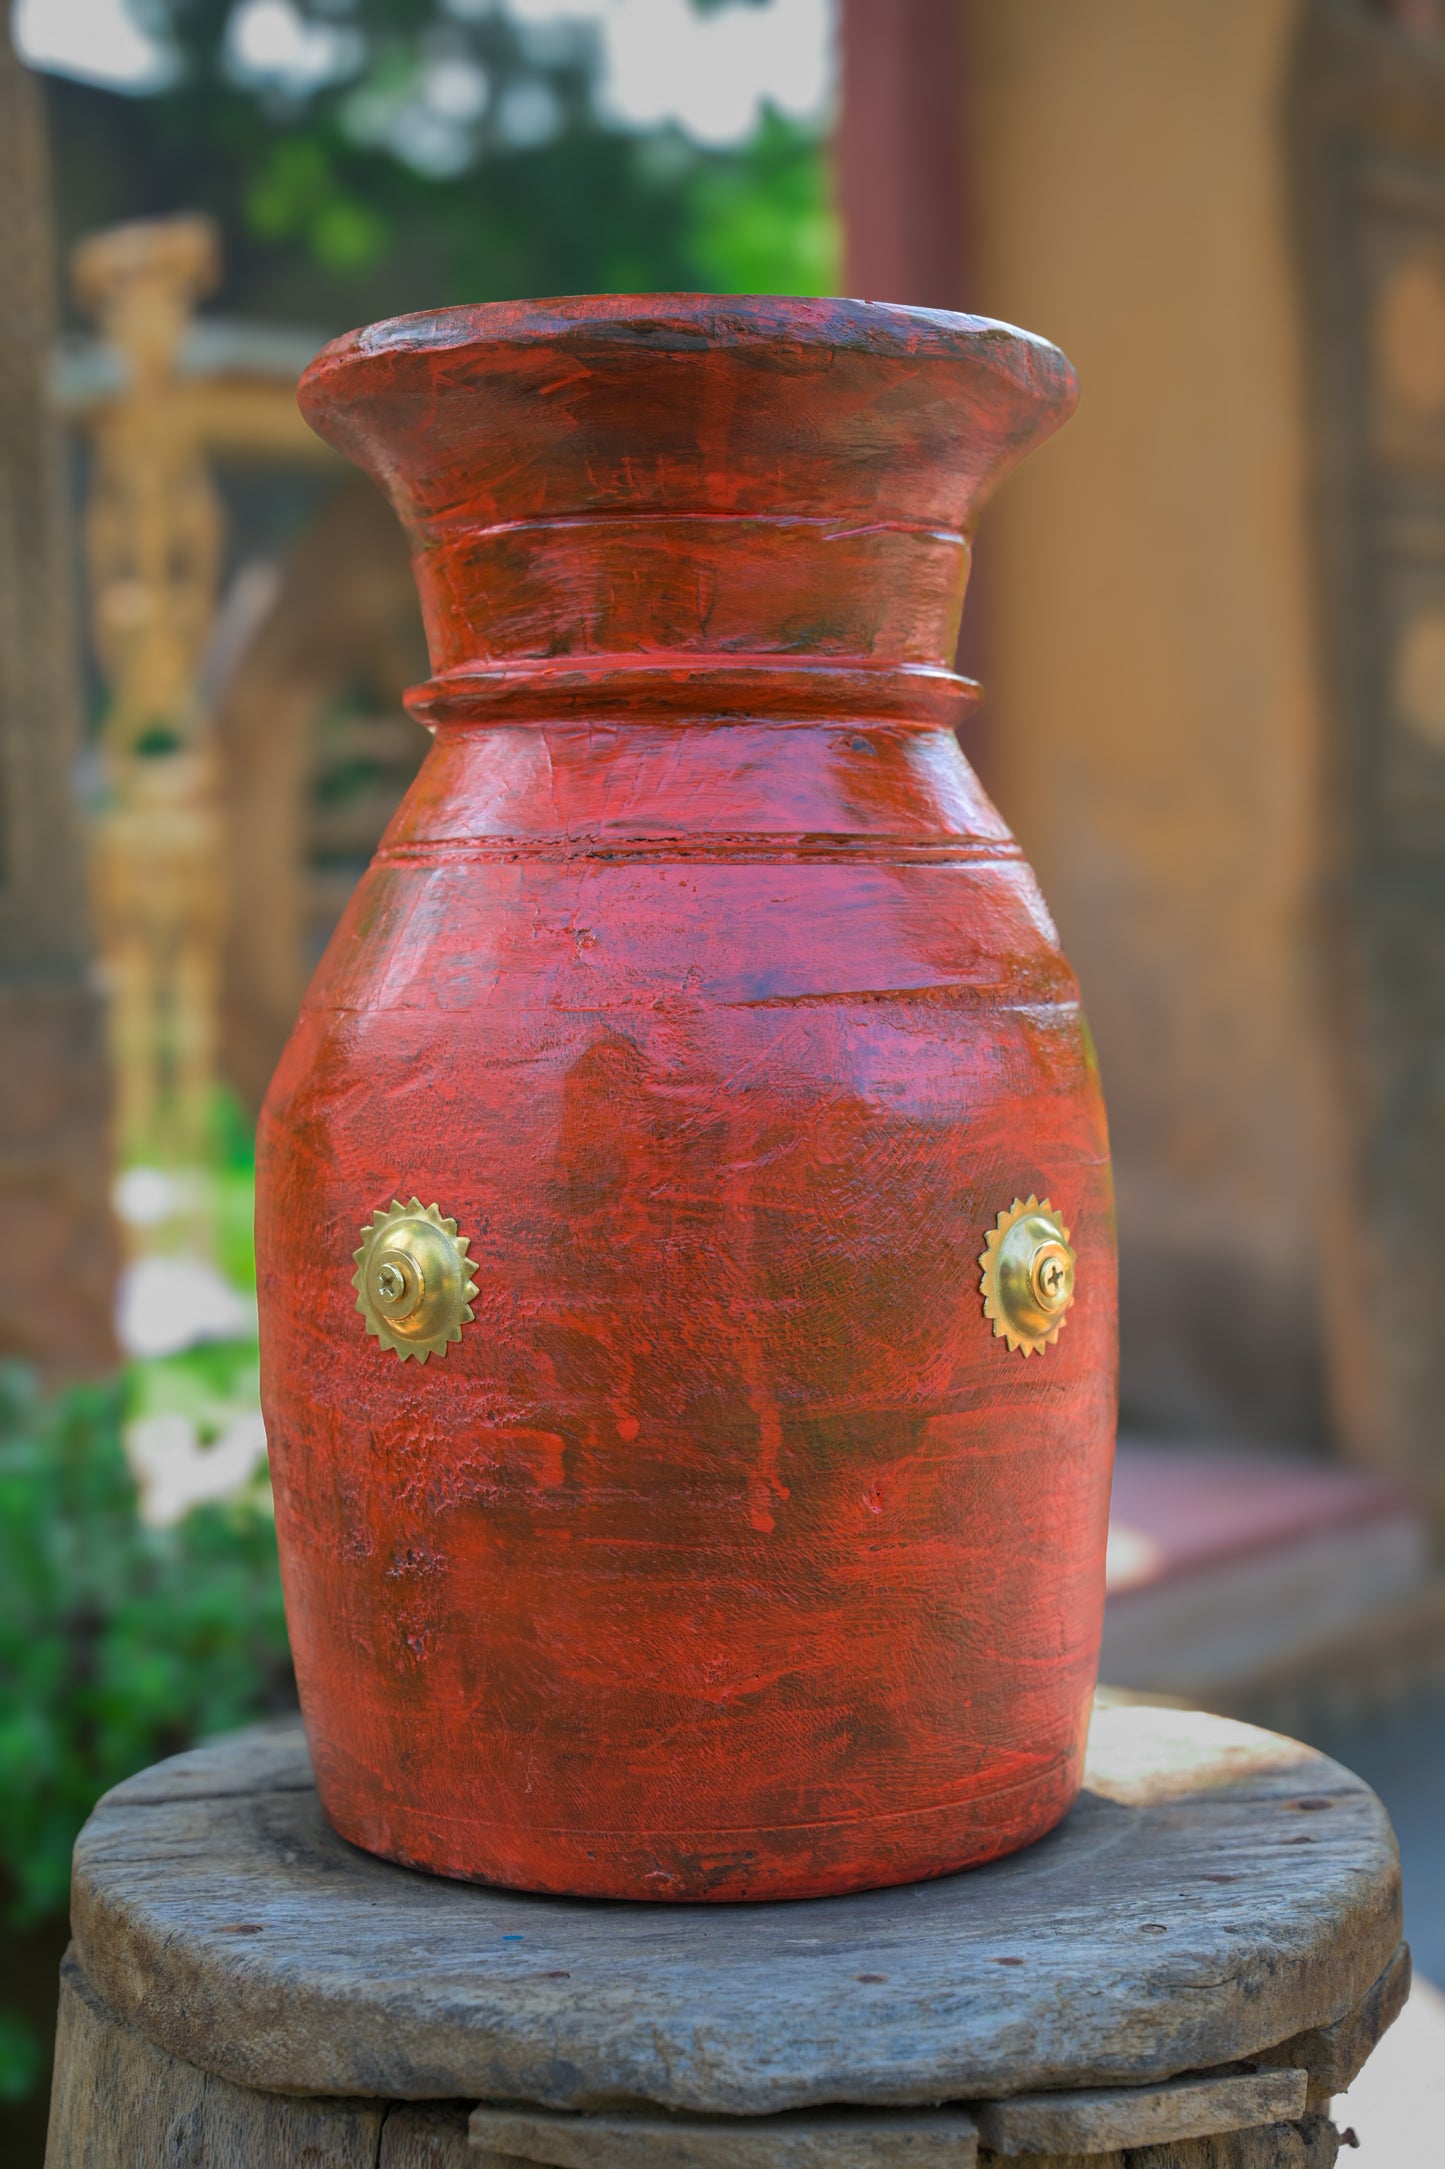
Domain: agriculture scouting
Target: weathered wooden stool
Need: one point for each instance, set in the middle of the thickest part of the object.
(1182, 1975)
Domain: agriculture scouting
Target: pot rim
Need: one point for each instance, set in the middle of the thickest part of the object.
(681, 322)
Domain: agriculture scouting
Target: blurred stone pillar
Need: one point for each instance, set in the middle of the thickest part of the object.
(1367, 131)
(1155, 677)
(57, 1265)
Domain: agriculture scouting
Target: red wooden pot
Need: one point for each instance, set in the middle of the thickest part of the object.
(705, 1527)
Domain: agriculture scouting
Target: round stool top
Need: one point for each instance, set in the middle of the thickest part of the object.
(1215, 1891)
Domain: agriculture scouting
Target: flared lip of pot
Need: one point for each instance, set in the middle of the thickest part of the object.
(1023, 371)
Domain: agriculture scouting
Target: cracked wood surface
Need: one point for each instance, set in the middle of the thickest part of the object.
(122, 2103)
(799, 2139)
(1111, 2119)
(1216, 1892)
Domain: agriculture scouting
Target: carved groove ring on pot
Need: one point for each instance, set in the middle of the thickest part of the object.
(412, 1280)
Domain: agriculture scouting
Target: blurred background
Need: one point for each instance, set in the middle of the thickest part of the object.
(1211, 622)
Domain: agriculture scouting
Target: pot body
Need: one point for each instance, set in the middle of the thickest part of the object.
(728, 1552)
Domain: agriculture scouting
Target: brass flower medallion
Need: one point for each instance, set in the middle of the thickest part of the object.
(1028, 1275)
(412, 1280)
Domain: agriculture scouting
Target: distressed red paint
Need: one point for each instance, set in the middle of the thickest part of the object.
(727, 1554)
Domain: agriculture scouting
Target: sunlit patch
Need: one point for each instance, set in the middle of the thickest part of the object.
(1140, 1754)
(1133, 1560)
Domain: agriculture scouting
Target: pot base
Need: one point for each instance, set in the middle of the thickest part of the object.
(795, 1860)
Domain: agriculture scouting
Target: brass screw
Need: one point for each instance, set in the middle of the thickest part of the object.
(391, 1283)
(1051, 1277)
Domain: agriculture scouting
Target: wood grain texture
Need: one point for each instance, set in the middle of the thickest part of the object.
(430, 2137)
(728, 1554)
(1335, 2055)
(1311, 2144)
(800, 2139)
(120, 2102)
(1103, 2120)
(1216, 1890)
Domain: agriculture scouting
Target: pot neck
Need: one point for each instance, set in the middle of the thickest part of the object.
(748, 503)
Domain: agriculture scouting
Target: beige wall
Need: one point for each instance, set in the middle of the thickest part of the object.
(1149, 650)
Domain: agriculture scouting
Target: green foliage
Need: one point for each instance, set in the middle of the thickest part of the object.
(118, 1643)
(234, 1180)
(440, 151)
(208, 1384)
(298, 195)
(21, 2056)
(764, 222)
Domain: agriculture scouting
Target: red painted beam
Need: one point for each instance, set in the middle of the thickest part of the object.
(900, 152)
